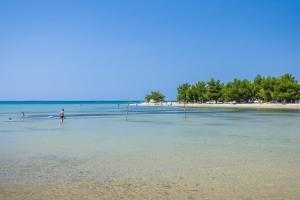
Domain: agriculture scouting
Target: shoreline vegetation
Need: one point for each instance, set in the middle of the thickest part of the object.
(281, 92)
(289, 106)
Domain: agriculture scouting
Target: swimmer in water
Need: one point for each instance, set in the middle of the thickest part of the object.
(62, 115)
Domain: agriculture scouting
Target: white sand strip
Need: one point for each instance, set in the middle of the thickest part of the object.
(290, 106)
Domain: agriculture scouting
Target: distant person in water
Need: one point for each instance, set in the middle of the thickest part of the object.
(23, 115)
(62, 115)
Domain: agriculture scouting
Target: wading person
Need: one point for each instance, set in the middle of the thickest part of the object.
(23, 115)
(62, 115)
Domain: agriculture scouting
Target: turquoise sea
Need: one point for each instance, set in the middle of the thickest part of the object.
(228, 153)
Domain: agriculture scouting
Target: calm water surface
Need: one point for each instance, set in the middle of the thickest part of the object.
(218, 147)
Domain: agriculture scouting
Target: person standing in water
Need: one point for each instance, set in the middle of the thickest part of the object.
(23, 115)
(62, 115)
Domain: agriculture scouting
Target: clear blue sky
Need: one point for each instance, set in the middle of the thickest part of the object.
(120, 50)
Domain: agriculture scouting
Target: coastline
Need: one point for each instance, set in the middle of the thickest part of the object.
(289, 106)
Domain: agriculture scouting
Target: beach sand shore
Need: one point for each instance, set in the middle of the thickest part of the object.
(290, 106)
(150, 189)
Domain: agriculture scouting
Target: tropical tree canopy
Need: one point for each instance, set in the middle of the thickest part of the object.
(214, 90)
(286, 89)
(155, 96)
(184, 93)
(238, 91)
(198, 92)
(282, 89)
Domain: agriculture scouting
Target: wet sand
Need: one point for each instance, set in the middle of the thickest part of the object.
(220, 177)
(158, 188)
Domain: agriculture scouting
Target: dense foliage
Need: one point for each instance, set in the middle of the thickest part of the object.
(184, 93)
(282, 89)
(155, 96)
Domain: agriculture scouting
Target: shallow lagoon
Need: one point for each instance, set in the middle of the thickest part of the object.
(157, 153)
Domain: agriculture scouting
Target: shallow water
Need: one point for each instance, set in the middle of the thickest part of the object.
(161, 152)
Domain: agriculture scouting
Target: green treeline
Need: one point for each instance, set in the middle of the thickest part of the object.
(155, 96)
(282, 89)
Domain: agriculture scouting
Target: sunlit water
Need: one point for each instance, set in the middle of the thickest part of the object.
(223, 150)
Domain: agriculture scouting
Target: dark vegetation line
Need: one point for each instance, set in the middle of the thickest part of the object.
(282, 89)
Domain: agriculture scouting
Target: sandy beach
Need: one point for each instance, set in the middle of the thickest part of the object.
(149, 100)
(158, 189)
(294, 106)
